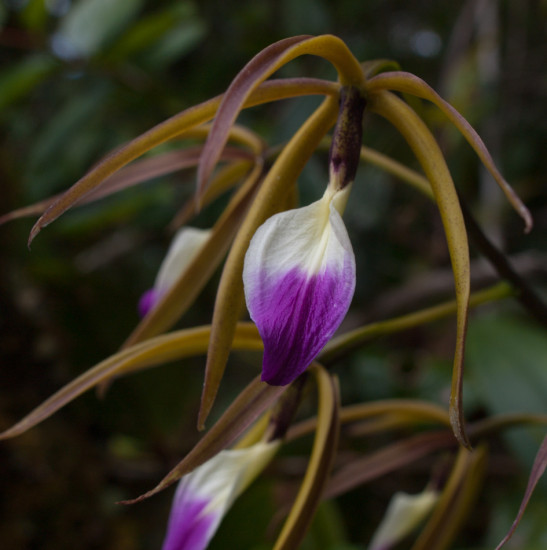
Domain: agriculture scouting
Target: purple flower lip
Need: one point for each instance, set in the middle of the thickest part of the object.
(299, 278)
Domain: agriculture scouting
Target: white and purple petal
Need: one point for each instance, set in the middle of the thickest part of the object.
(190, 528)
(204, 495)
(299, 278)
(186, 243)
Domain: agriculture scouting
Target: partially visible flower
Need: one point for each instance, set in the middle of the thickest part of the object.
(186, 243)
(204, 495)
(405, 512)
(299, 278)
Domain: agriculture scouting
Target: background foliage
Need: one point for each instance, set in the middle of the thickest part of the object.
(78, 79)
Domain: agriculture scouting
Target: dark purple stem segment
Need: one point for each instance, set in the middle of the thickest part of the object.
(346, 141)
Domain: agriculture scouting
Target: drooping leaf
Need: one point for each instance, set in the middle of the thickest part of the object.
(258, 69)
(156, 351)
(137, 172)
(429, 155)
(411, 84)
(387, 460)
(242, 413)
(538, 469)
(456, 501)
(173, 127)
(322, 456)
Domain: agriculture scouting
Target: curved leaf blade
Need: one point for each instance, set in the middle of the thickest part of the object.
(404, 82)
(456, 501)
(426, 150)
(538, 469)
(258, 69)
(244, 410)
(387, 460)
(169, 129)
(153, 352)
(321, 459)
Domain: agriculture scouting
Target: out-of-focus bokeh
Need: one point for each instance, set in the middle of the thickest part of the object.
(79, 78)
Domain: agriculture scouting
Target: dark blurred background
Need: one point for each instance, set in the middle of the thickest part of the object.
(79, 78)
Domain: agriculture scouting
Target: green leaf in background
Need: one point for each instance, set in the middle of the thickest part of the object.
(91, 24)
(506, 364)
(175, 43)
(34, 14)
(61, 138)
(18, 80)
(161, 37)
(3, 15)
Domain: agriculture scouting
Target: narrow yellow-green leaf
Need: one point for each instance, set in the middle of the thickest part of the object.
(411, 84)
(397, 169)
(351, 340)
(153, 167)
(386, 460)
(412, 410)
(168, 129)
(138, 172)
(456, 501)
(242, 413)
(321, 459)
(377, 66)
(258, 69)
(173, 127)
(223, 180)
(271, 198)
(156, 351)
(424, 146)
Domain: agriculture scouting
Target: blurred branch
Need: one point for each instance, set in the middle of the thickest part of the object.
(526, 295)
(434, 285)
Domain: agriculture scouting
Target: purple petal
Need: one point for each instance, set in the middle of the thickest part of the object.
(148, 300)
(297, 314)
(189, 528)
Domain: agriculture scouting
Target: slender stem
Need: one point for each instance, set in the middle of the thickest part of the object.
(525, 294)
(349, 341)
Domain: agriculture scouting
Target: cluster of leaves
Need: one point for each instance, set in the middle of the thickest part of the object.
(254, 155)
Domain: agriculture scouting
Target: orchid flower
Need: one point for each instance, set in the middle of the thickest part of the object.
(186, 243)
(299, 269)
(204, 495)
(299, 279)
